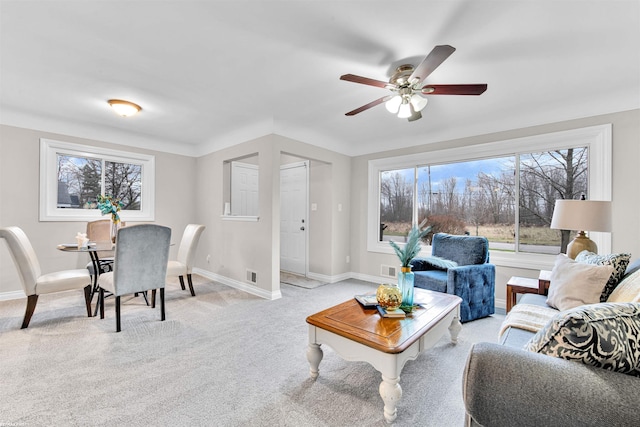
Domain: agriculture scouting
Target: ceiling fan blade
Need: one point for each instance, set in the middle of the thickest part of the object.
(369, 105)
(415, 116)
(367, 81)
(473, 89)
(430, 63)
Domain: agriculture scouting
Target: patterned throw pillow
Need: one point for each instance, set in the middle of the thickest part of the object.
(619, 262)
(605, 335)
(628, 290)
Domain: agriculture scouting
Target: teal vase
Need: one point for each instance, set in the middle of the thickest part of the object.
(405, 283)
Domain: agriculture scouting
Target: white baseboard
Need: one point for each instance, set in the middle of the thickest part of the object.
(6, 296)
(262, 293)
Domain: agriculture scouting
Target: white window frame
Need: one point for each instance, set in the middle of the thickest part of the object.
(49, 211)
(596, 138)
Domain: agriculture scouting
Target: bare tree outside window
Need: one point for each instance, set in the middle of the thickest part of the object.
(123, 181)
(80, 182)
(396, 204)
(545, 177)
(479, 197)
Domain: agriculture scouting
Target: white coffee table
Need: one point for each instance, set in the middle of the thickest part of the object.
(361, 334)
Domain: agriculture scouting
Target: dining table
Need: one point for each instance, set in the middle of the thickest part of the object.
(93, 249)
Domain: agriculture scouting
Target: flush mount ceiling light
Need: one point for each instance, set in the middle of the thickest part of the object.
(124, 108)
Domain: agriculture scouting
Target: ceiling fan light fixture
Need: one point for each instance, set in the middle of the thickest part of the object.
(418, 102)
(124, 108)
(393, 104)
(405, 110)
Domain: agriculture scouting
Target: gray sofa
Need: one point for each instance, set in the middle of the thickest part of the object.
(505, 385)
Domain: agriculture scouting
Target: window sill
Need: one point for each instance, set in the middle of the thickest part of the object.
(239, 218)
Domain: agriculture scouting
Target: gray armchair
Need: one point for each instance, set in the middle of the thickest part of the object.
(459, 265)
(140, 264)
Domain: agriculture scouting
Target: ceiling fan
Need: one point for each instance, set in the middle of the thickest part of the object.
(407, 99)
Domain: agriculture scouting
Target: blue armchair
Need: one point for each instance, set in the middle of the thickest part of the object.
(459, 265)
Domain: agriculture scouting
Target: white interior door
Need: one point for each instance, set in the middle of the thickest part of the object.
(244, 189)
(293, 217)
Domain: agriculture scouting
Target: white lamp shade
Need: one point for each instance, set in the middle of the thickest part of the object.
(405, 111)
(418, 102)
(393, 104)
(582, 215)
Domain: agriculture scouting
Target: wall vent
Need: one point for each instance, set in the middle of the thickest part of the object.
(252, 276)
(388, 271)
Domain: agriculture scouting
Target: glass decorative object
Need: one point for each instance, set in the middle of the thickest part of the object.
(115, 225)
(389, 296)
(405, 283)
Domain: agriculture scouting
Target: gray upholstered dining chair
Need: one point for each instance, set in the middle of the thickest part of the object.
(186, 254)
(34, 283)
(140, 264)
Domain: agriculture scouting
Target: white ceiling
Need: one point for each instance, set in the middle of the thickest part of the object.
(210, 74)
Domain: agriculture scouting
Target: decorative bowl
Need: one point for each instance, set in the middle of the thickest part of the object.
(389, 296)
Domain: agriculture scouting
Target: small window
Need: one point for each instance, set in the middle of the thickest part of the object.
(72, 176)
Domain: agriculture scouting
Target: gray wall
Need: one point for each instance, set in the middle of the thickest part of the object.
(190, 190)
(626, 178)
(235, 246)
(19, 198)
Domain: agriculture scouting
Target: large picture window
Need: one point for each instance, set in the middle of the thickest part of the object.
(505, 191)
(72, 176)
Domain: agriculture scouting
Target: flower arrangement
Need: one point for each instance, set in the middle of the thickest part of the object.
(110, 205)
(412, 247)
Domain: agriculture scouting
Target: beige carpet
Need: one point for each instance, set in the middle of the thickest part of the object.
(222, 358)
(300, 281)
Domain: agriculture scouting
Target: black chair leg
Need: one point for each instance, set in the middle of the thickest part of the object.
(181, 278)
(101, 302)
(118, 313)
(162, 314)
(193, 294)
(87, 298)
(153, 298)
(32, 300)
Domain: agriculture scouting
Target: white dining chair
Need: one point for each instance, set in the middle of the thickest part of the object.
(140, 265)
(34, 283)
(183, 266)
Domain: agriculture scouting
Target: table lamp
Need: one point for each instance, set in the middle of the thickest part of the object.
(581, 215)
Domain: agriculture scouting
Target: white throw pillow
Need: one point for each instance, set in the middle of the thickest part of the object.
(628, 290)
(574, 284)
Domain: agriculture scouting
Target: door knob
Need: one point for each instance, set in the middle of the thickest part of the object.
(302, 228)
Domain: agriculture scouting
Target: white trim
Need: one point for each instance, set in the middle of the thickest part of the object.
(239, 218)
(7, 296)
(49, 150)
(239, 285)
(596, 138)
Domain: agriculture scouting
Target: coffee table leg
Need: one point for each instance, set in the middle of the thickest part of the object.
(391, 392)
(454, 329)
(314, 356)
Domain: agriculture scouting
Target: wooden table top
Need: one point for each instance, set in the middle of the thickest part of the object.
(389, 335)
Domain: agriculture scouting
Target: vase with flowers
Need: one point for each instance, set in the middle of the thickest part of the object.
(406, 254)
(109, 205)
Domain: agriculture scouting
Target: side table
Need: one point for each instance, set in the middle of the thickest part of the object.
(524, 285)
